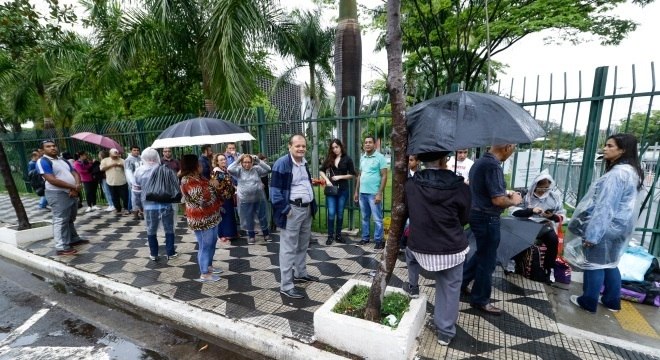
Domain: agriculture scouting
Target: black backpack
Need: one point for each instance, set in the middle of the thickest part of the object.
(529, 263)
(37, 181)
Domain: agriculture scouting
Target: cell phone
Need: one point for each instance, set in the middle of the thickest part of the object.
(549, 212)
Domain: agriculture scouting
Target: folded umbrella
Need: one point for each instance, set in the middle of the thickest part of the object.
(516, 235)
(466, 119)
(200, 131)
(100, 140)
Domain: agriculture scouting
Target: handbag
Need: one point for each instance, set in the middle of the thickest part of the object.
(331, 190)
(162, 186)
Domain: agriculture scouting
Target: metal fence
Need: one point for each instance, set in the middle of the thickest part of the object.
(569, 114)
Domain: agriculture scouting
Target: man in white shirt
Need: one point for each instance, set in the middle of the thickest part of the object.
(62, 189)
(460, 164)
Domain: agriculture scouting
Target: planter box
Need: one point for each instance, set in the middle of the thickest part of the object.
(365, 338)
(41, 230)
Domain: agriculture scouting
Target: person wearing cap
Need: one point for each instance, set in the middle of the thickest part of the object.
(113, 167)
(438, 203)
(62, 189)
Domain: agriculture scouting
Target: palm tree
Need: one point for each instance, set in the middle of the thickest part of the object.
(214, 37)
(348, 62)
(309, 45)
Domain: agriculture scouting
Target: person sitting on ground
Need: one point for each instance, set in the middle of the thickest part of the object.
(154, 212)
(202, 212)
(542, 203)
(248, 171)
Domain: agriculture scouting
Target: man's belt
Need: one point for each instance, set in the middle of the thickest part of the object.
(299, 203)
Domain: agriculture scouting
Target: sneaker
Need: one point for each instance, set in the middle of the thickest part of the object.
(67, 252)
(215, 270)
(268, 239)
(379, 245)
(79, 242)
(363, 242)
(153, 258)
(88, 210)
(292, 293)
(211, 278)
(600, 301)
(136, 215)
(329, 241)
(413, 291)
(110, 209)
(126, 212)
(574, 300)
(443, 340)
(173, 256)
(252, 241)
(95, 207)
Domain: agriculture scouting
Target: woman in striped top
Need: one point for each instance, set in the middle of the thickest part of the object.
(203, 214)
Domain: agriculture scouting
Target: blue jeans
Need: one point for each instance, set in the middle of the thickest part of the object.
(369, 208)
(593, 280)
(336, 205)
(152, 218)
(43, 202)
(206, 239)
(106, 193)
(480, 267)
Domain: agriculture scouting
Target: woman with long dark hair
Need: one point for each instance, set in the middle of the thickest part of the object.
(203, 213)
(337, 169)
(227, 228)
(603, 222)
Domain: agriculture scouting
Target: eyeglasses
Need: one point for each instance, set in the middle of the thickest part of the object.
(542, 188)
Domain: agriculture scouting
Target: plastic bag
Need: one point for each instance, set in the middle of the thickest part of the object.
(574, 253)
(634, 263)
(162, 186)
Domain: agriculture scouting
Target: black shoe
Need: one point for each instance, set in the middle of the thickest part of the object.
(306, 278)
(329, 241)
(313, 242)
(363, 242)
(79, 242)
(339, 239)
(379, 246)
(292, 293)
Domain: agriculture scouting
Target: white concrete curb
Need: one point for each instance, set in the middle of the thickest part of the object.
(242, 334)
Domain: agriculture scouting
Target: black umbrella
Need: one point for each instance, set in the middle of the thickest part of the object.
(516, 235)
(466, 119)
(200, 131)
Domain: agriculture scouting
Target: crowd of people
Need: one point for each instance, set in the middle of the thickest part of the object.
(442, 195)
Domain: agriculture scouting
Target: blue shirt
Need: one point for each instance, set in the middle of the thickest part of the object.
(370, 166)
(486, 183)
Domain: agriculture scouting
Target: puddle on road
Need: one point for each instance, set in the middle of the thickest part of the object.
(122, 349)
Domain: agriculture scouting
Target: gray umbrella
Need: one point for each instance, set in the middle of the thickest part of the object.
(200, 131)
(517, 234)
(466, 119)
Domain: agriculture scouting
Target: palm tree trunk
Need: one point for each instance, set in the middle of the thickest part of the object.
(14, 197)
(348, 63)
(400, 144)
(313, 118)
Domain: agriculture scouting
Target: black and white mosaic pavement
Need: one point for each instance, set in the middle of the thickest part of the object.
(249, 289)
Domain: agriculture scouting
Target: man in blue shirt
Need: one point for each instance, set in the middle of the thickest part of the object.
(369, 188)
(62, 188)
(205, 161)
(489, 199)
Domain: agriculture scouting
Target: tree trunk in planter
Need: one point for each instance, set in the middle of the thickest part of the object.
(400, 144)
(10, 185)
(348, 63)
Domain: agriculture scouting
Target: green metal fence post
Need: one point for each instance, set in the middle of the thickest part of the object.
(142, 139)
(261, 129)
(593, 131)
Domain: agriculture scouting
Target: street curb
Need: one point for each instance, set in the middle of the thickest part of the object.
(237, 332)
(628, 345)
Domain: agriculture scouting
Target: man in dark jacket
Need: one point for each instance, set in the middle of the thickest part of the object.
(293, 208)
(438, 205)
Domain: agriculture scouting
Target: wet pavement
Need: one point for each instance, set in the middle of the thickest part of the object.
(249, 292)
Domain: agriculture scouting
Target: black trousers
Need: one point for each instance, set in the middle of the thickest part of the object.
(548, 236)
(90, 192)
(119, 193)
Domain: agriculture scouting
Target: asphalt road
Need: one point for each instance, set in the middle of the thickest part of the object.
(40, 319)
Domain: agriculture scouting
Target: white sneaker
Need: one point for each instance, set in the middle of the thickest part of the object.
(95, 207)
(89, 209)
(110, 208)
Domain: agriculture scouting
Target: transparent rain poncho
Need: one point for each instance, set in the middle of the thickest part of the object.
(604, 217)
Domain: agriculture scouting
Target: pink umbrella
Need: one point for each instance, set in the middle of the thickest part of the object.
(100, 140)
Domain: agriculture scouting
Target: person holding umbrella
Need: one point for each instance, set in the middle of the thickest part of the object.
(248, 171)
(603, 223)
(438, 203)
(202, 212)
(489, 199)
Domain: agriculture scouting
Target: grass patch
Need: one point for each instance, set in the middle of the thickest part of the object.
(355, 302)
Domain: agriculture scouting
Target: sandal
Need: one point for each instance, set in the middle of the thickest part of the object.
(211, 278)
